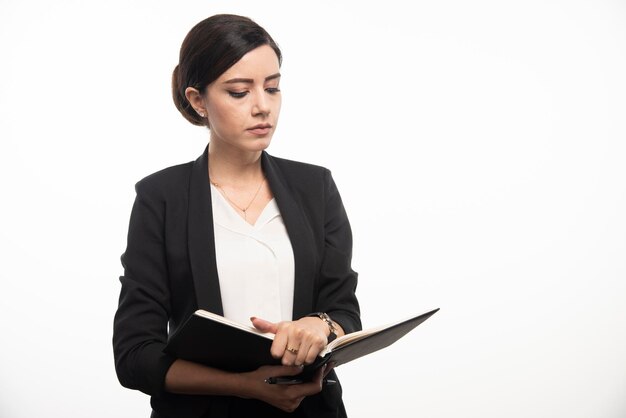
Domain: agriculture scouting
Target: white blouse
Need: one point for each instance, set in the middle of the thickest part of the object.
(255, 263)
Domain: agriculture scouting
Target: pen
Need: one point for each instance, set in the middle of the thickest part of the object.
(291, 381)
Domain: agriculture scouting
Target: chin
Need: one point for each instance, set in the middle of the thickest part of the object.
(260, 144)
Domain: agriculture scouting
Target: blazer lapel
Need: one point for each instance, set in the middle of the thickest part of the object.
(300, 235)
(202, 239)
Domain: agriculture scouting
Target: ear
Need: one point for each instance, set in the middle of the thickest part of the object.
(195, 99)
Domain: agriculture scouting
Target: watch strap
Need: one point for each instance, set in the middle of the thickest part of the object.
(331, 325)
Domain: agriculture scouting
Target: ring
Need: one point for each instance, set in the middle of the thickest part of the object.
(292, 350)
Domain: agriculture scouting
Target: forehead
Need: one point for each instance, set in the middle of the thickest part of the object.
(256, 64)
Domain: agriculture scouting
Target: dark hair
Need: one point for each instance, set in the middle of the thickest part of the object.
(209, 49)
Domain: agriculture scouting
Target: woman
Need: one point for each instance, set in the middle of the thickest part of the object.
(239, 233)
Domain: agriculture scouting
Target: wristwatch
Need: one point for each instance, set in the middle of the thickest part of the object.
(331, 325)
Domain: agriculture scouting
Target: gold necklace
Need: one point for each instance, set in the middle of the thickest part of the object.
(244, 210)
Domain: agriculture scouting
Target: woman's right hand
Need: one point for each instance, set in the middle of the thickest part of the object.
(285, 397)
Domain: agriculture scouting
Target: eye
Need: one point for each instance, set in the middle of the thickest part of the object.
(272, 90)
(237, 94)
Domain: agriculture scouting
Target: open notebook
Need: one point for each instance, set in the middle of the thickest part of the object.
(218, 342)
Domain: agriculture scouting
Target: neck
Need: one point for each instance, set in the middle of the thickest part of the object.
(232, 166)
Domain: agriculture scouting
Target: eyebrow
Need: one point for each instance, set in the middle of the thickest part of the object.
(249, 80)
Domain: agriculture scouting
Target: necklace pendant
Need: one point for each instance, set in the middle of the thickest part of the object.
(244, 210)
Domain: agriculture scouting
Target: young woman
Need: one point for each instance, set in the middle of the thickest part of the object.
(239, 233)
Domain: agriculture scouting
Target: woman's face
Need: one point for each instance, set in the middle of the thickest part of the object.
(243, 104)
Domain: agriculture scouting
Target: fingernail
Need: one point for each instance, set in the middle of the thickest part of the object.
(252, 318)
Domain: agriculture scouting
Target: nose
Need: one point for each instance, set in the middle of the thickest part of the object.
(261, 106)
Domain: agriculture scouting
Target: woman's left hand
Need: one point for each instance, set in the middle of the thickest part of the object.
(296, 342)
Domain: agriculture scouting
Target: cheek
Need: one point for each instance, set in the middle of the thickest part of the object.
(276, 107)
(225, 116)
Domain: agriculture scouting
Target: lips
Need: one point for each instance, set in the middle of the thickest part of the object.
(260, 129)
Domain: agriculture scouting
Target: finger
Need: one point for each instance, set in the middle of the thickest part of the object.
(278, 371)
(293, 346)
(290, 356)
(311, 355)
(309, 349)
(315, 348)
(263, 325)
(315, 386)
(303, 351)
(329, 367)
(280, 341)
(309, 388)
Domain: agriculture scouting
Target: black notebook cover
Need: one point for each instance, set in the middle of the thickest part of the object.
(203, 340)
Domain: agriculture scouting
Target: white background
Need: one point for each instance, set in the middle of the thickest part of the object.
(479, 147)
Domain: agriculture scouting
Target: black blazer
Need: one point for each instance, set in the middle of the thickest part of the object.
(170, 271)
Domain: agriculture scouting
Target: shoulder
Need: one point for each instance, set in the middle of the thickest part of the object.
(311, 185)
(299, 171)
(164, 182)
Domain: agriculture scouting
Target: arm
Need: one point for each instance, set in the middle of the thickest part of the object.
(140, 327)
(194, 379)
(338, 282)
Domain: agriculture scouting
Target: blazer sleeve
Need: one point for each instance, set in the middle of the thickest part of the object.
(140, 324)
(337, 281)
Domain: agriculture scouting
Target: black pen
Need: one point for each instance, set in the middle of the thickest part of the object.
(292, 381)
